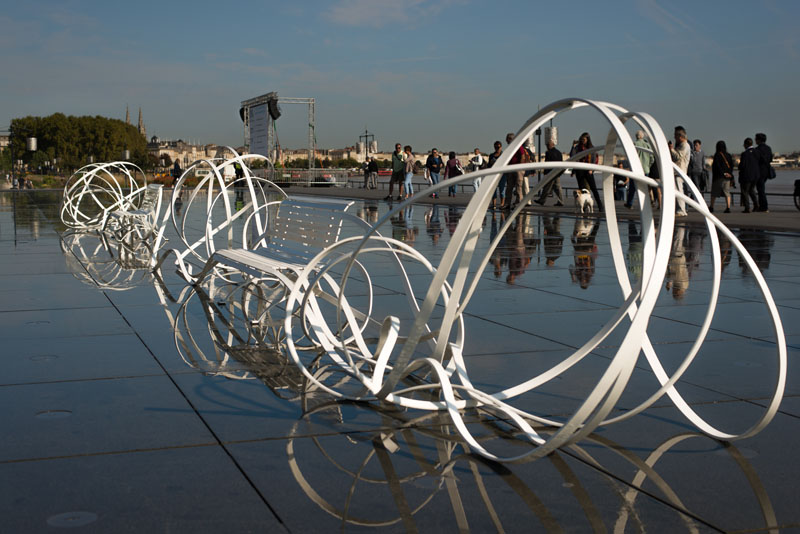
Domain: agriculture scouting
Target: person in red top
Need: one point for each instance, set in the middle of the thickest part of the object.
(514, 180)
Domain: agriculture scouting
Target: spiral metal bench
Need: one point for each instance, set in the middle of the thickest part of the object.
(96, 190)
(302, 228)
(142, 221)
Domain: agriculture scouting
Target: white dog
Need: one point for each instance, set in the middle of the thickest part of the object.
(583, 201)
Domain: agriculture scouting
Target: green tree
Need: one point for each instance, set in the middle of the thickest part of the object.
(74, 139)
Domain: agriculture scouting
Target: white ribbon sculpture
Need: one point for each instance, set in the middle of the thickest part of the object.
(381, 366)
(98, 189)
(226, 223)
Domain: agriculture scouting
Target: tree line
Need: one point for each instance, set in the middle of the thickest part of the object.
(68, 142)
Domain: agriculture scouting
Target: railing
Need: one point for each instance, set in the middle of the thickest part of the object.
(305, 177)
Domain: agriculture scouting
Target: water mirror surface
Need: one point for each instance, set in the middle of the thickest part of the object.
(165, 396)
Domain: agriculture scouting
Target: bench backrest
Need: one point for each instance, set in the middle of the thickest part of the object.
(152, 195)
(305, 226)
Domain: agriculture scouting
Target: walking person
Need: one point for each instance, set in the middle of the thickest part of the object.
(764, 153)
(586, 178)
(681, 153)
(748, 176)
(499, 192)
(514, 180)
(434, 165)
(476, 163)
(646, 158)
(451, 170)
(554, 185)
(721, 176)
(697, 165)
(398, 172)
(409, 171)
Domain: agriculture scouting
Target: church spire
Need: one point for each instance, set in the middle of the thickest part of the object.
(141, 124)
(127, 115)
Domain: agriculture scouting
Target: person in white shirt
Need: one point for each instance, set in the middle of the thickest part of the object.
(476, 161)
(681, 154)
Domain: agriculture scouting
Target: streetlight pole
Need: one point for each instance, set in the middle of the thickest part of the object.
(366, 136)
(31, 145)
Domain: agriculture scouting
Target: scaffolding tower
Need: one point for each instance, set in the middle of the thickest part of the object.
(271, 100)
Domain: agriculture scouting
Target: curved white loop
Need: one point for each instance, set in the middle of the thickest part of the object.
(234, 209)
(97, 189)
(434, 347)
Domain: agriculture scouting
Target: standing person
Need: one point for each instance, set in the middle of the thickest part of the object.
(398, 172)
(681, 153)
(697, 163)
(476, 162)
(451, 170)
(499, 192)
(620, 182)
(721, 176)
(373, 173)
(409, 170)
(586, 178)
(176, 172)
(764, 153)
(514, 180)
(434, 165)
(525, 176)
(748, 175)
(646, 158)
(554, 185)
(365, 170)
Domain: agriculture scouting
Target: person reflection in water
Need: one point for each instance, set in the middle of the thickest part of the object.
(677, 273)
(402, 225)
(433, 225)
(552, 238)
(758, 244)
(635, 255)
(521, 246)
(584, 251)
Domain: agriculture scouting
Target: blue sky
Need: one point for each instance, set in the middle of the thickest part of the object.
(455, 74)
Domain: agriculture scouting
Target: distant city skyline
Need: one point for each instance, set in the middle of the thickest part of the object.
(454, 74)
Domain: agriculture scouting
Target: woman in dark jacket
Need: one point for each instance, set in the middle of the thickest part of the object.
(721, 176)
(585, 178)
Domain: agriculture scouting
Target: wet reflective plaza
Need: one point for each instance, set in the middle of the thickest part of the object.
(130, 407)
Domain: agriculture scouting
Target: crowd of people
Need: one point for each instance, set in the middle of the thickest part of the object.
(754, 169)
(19, 182)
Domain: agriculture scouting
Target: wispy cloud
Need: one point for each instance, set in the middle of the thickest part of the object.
(662, 17)
(686, 34)
(255, 52)
(380, 13)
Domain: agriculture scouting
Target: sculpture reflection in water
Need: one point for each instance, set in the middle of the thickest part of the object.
(392, 476)
(416, 465)
(100, 260)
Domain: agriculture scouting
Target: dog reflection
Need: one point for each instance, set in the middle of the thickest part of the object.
(585, 251)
